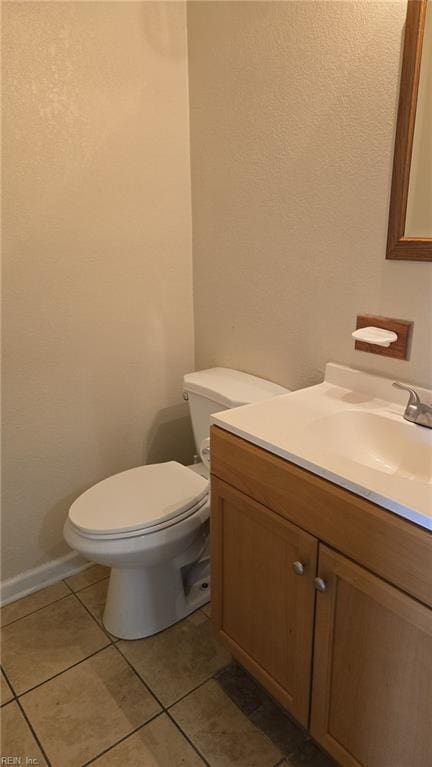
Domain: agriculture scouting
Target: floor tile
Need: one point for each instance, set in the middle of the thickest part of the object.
(88, 708)
(94, 597)
(309, 755)
(157, 744)
(243, 690)
(207, 609)
(178, 659)
(223, 735)
(88, 576)
(47, 642)
(197, 617)
(17, 740)
(6, 693)
(279, 727)
(33, 602)
(288, 736)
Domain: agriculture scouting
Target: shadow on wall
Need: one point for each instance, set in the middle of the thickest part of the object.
(170, 437)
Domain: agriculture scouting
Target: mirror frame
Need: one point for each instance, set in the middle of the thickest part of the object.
(398, 246)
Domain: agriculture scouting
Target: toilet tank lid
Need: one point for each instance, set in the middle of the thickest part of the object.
(230, 388)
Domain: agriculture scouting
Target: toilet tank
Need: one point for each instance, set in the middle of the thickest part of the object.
(210, 391)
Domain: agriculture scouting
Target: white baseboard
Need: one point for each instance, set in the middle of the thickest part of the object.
(44, 575)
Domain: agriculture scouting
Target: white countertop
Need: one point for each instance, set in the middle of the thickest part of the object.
(349, 430)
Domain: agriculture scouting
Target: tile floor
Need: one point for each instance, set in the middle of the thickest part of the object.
(72, 695)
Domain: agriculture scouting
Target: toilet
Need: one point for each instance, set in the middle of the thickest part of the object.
(150, 524)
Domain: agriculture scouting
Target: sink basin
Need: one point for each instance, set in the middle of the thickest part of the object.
(349, 430)
(375, 441)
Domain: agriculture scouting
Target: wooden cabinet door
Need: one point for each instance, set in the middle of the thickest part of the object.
(372, 680)
(262, 609)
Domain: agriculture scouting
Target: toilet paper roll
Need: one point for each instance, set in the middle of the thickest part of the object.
(205, 451)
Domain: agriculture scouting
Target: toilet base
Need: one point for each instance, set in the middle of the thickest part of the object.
(142, 601)
(155, 578)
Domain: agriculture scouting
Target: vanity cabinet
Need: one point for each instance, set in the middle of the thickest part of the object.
(372, 671)
(327, 600)
(263, 608)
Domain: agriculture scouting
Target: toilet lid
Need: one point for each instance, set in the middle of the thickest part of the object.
(138, 498)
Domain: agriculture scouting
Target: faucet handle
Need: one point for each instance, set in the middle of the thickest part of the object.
(416, 411)
(414, 399)
(412, 392)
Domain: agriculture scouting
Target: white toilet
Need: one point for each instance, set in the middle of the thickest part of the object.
(150, 524)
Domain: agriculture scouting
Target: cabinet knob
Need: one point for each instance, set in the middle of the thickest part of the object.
(320, 585)
(298, 568)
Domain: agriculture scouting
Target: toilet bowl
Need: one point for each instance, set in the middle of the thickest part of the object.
(150, 524)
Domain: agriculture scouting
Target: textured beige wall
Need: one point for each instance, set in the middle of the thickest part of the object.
(293, 109)
(98, 324)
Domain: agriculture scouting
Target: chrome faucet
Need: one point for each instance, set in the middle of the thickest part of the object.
(416, 411)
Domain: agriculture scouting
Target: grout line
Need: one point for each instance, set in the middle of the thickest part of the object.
(147, 685)
(87, 585)
(38, 741)
(63, 671)
(194, 689)
(9, 683)
(186, 737)
(17, 701)
(116, 647)
(99, 624)
(148, 688)
(38, 609)
(164, 710)
(110, 642)
(14, 697)
(67, 586)
(125, 737)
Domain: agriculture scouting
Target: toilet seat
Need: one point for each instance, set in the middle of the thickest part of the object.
(139, 501)
(200, 507)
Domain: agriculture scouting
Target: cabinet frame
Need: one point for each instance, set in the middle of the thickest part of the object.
(393, 548)
(334, 568)
(386, 557)
(296, 701)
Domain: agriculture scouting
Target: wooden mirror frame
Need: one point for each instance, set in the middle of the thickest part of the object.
(398, 246)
